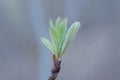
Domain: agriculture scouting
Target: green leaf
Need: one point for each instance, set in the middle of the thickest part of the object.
(57, 23)
(61, 29)
(54, 36)
(47, 43)
(71, 33)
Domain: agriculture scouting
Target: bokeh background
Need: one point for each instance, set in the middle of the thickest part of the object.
(94, 54)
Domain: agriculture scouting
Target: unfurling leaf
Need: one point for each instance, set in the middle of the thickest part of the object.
(71, 33)
(47, 43)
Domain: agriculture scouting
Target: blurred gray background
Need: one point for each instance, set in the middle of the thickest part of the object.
(94, 54)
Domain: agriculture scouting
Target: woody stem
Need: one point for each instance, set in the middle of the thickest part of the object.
(56, 68)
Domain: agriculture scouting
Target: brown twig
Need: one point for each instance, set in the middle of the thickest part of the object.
(56, 68)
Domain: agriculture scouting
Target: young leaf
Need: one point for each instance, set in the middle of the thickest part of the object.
(54, 36)
(57, 23)
(47, 43)
(62, 28)
(71, 33)
(62, 32)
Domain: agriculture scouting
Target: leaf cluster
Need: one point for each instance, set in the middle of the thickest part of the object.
(60, 36)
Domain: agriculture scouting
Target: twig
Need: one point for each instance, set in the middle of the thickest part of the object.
(56, 68)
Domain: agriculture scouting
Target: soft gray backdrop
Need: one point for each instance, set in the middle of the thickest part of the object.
(94, 54)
